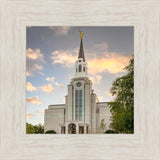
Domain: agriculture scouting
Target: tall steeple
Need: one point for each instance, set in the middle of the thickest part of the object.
(81, 51)
(81, 64)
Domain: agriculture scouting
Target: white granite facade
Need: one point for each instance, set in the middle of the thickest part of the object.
(82, 112)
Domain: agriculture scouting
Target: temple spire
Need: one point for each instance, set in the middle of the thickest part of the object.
(81, 51)
(81, 64)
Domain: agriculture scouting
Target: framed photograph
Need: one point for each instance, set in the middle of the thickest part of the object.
(85, 88)
(79, 80)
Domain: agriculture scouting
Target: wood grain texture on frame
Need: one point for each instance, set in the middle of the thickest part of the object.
(15, 15)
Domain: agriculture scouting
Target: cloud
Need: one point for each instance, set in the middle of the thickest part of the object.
(30, 87)
(109, 94)
(101, 47)
(58, 84)
(92, 79)
(34, 54)
(47, 88)
(28, 74)
(63, 57)
(62, 99)
(41, 73)
(95, 79)
(100, 61)
(35, 61)
(60, 30)
(100, 98)
(34, 100)
(50, 79)
(28, 115)
(111, 62)
(41, 111)
(98, 78)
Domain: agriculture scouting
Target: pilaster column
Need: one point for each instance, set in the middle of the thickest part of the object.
(85, 129)
(77, 128)
(66, 129)
(59, 129)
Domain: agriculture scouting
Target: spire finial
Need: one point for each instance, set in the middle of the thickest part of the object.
(81, 34)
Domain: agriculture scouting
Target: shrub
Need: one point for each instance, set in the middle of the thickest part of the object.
(50, 132)
(109, 131)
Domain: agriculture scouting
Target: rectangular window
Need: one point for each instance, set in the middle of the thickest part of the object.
(80, 94)
(77, 105)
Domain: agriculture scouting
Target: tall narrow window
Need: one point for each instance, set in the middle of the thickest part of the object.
(83, 69)
(77, 105)
(80, 68)
(80, 95)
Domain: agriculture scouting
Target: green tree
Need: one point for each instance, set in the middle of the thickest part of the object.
(39, 129)
(30, 128)
(34, 129)
(122, 108)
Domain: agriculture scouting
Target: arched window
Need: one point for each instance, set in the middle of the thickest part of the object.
(80, 68)
(72, 128)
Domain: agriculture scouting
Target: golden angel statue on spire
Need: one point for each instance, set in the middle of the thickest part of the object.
(81, 34)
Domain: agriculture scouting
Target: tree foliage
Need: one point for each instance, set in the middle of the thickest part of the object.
(122, 108)
(30, 129)
(110, 131)
(34, 129)
(50, 132)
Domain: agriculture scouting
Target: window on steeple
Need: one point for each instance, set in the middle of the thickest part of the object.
(80, 68)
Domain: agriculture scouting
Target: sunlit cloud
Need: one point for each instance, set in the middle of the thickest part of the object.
(35, 61)
(62, 99)
(28, 115)
(63, 30)
(28, 74)
(108, 93)
(34, 100)
(100, 98)
(34, 54)
(40, 111)
(63, 57)
(95, 79)
(92, 79)
(98, 78)
(58, 84)
(47, 88)
(112, 63)
(103, 61)
(50, 79)
(30, 87)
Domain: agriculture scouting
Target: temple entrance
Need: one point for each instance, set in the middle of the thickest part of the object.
(63, 130)
(81, 130)
(72, 128)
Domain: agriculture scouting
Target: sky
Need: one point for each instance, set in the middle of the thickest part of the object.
(51, 53)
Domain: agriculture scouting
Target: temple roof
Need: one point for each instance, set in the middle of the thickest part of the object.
(81, 51)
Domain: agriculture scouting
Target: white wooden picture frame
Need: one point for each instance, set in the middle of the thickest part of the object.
(15, 15)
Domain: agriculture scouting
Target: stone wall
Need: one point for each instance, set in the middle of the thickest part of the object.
(104, 113)
(54, 116)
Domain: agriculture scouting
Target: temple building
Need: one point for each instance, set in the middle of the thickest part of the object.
(82, 112)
